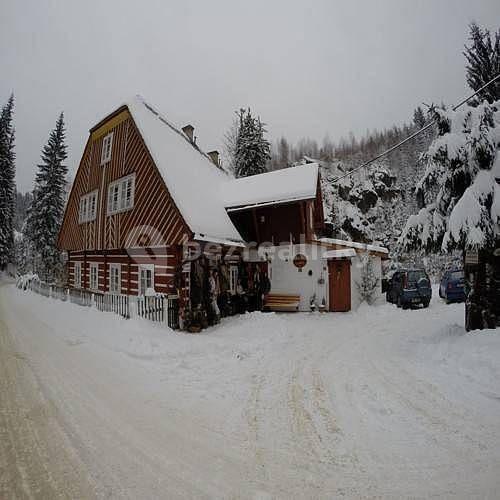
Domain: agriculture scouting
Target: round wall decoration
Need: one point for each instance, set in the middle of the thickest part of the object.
(300, 260)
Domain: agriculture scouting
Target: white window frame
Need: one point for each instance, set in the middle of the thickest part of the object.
(111, 286)
(88, 207)
(118, 201)
(145, 267)
(107, 146)
(94, 285)
(77, 283)
(233, 278)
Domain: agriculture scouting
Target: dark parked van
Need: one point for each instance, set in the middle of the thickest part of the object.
(409, 288)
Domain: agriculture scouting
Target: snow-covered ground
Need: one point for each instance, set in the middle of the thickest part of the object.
(379, 403)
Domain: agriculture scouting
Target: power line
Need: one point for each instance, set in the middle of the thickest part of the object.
(412, 136)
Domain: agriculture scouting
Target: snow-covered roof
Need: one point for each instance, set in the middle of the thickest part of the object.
(353, 244)
(337, 254)
(218, 241)
(279, 186)
(193, 181)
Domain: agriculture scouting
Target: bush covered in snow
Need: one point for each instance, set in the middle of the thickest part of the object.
(368, 284)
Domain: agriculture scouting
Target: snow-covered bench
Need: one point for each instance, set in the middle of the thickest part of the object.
(281, 302)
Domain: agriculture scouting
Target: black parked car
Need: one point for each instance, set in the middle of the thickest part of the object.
(452, 286)
(409, 288)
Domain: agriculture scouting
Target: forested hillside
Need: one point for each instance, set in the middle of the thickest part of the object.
(374, 203)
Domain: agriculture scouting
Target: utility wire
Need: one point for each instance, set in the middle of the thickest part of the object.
(412, 136)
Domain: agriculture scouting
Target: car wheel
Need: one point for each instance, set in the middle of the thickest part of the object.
(426, 303)
(440, 293)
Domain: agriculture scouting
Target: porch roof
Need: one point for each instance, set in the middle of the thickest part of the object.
(354, 244)
(338, 254)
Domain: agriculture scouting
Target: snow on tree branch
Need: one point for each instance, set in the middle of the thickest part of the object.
(459, 183)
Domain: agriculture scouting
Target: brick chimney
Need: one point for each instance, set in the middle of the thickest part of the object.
(214, 156)
(189, 132)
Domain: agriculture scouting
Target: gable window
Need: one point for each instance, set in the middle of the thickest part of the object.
(88, 207)
(121, 194)
(77, 275)
(94, 276)
(233, 279)
(107, 144)
(115, 283)
(146, 278)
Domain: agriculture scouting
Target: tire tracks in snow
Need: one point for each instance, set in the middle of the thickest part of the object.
(254, 426)
(432, 413)
(312, 420)
(35, 460)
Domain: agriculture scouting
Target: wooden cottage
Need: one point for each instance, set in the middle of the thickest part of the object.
(150, 213)
(143, 189)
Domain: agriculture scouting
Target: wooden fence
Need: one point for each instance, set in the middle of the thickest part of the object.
(59, 292)
(40, 288)
(119, 304)
(158, 308)
(80, 297)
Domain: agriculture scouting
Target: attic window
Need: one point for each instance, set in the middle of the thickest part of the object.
(107, 144)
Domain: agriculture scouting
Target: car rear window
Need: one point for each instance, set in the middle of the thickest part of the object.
(416, 276)
(457, 275)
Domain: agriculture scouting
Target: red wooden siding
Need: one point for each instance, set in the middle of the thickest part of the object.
(165, 260)
(154, 219)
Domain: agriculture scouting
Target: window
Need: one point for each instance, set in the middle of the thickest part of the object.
(146, 278)
(107, 144)
(115, 284)
(121, 194)
(88, 207)
(77, 275)
(233, 279)
(456, 275)
(94, 276)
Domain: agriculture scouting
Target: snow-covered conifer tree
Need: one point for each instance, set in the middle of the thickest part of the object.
(47, 208)
(7, 184)
(461, 191)
(459, 169)
(483, 62)
(369, 282)
(252, 149)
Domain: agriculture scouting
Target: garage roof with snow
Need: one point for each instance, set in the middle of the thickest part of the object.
(280, 186)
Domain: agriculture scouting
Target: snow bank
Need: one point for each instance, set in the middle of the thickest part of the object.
(379, 403)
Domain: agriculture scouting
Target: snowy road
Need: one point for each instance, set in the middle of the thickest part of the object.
(380, 403)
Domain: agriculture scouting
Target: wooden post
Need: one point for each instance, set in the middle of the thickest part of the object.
(105, 270)
(85, 269)
(303, 220)
(256, 225)
(128, 274)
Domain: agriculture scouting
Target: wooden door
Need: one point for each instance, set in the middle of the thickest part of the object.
(339, 272)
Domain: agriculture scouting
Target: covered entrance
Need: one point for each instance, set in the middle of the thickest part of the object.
(339, 273)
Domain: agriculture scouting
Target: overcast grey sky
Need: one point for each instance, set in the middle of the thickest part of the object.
(307, 68)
